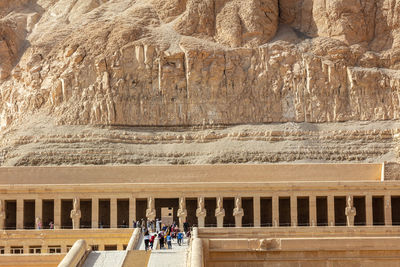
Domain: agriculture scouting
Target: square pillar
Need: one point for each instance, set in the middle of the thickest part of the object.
(113, 213)
(388, 210)
(57, 213)
(45, 248)
(95, 213)
(132, 211)
(313, 211)
(256, 211)
(38, 210)
(20, 213)
(331, 210)
(293, 211)
(275, 211)
(368, 210)
(25, 247)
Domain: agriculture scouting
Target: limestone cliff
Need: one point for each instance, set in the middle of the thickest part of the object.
(198, 62)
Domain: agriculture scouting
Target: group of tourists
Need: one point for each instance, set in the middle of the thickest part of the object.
(39, 224)
(164, 233)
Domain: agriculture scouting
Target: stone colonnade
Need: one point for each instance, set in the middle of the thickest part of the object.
(274, 210)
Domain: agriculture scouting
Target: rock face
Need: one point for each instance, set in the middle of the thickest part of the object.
(199, 62)
(190, 62)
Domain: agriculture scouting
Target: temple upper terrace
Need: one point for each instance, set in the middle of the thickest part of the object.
(268, 173)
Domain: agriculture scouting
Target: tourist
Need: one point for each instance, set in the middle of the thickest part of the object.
(152, 223)
(38, 223)
(134, 224)
(152, 238)
(180, 238)
(51, 225)
(169, 241)
(146, 240)
(158, 223)
(143, 225)
(161, 240)
(188, 235)
(185, 227)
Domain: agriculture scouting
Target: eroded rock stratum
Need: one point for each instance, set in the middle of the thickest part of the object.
(199, 62)
(189, 62)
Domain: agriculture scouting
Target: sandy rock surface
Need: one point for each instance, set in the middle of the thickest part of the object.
(197, 63)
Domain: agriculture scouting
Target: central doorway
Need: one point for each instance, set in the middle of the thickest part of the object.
(166, 210)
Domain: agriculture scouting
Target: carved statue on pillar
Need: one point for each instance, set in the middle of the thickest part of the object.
(220, 213)
(151, 211)
(238, 212)
(2, 215)
(182, 212)
(350, 212)
(76, 214)
(201, 212)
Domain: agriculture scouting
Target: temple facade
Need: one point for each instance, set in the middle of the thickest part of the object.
(239, 210)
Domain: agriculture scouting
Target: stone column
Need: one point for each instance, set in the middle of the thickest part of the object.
(2, 214)
(132, 211)
(76, 213)
(20, 213)
(113, 213)
(388, 210)
(313, 211)
(257, 211)
(57, 213)
(220, 212)
(331, 210)
(201, 212)
(95, 213)
(151, 210)
(182, 212)
(293, 211)
(238, 212)
(38, 211)
(275, 211)
(368, 210)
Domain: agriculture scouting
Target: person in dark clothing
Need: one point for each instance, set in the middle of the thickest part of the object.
(185, 227)
(146, 240)
(161, 237)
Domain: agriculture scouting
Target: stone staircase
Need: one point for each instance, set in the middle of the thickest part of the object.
(105, 259)
(175, 257)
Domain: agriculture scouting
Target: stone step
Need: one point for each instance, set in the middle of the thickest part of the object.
(105, 259)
